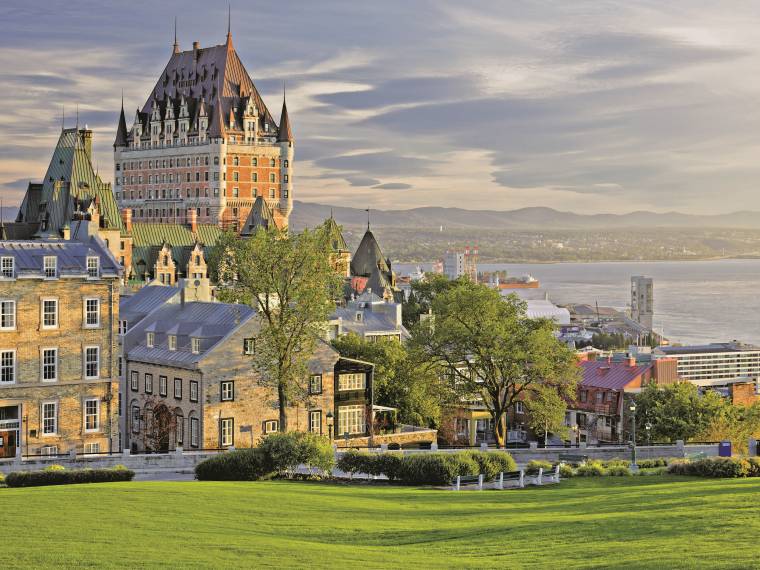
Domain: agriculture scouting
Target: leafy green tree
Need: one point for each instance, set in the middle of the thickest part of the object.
(402, 380)
(422, 295)
(546, 412)
(736, 424)
(676, 411)
(492, 350)
(290, 282)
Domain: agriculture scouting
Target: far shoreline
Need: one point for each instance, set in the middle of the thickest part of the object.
(599, 261)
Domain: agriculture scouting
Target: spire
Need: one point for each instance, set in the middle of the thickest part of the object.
(217, 121)
(367, 210)
(284, 134)
(176, 43)
(121, 130)
(63, 117)
(77, 116)
(229, 25)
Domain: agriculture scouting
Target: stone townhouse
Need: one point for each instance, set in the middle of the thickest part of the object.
(189, 382)
(58, 328)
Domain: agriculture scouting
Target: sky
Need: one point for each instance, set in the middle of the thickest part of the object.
(598, 106)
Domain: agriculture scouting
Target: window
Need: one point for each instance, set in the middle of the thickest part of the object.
(49, 418)
(92, 313)
(226, 431)
(272, 163)
(7, 366)
(123, 327)
(91, 361)
(254, 177)
(249, 346)
(350, 420)
(135, 419)
(162, 385)
(49, 313)
(148, 383)
(584, 395)
(50, 265)
(272, 178)
(195, 429)
(92, 414)
(193, 390)
(93, 267)
(271, 426)
(7, 315)
(49, 364)
(91, 448)
(285, 178)
(180, 429)
(519, 408)
(7, 267)
(254, 161)
(315, 421)
(172, 342)
(178, 388)
(315, 384)
(352, 381)
(134, 380)
(228, 391)
(195, 344)
(599, 397)
(49, 450)
(271, 192)
(150, 339)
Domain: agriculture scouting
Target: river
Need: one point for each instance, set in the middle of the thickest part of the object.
(695, 301)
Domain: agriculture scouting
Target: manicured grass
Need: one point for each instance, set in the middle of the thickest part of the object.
(632, 522)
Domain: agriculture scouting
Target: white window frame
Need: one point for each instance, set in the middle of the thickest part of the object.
(44, 417)
(135, 419)
(7, 267)
(11, 316)
(227, 391)
(351, 419)
(85, 362)
(123, 327)
(348, 381)
(195, 345)
(249, 346)
(271, 426)
(44, 300)
(193, 390)
(195, 432)
(87, 313)
(315, 415)
(519, 408)
(92, 448)
(134, 380)
(227, 432)
(148, 382)
(87, 415)
(43, 364)
(163, 385)
(49, 450)
(172, 340)
(50, 263)
(93, 267)
(312, 379)
(12, 367)
(150, 339)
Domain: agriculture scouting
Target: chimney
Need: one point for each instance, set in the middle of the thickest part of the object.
(126, 219)
(87, 141)
(196, 46)
(631, 361)
(192, 219)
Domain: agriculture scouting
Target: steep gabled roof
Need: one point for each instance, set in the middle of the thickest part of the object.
(337, 241)
(260, 216)
(368, 256)
(611, 375)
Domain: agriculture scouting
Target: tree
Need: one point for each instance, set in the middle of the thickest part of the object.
(402, 380)
(736, 424)
(422, 295)
(492, 350)
(546, 412)
(676, 411)
(290, 282)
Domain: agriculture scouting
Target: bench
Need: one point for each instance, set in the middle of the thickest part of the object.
(572, 458)
(466, 479)
(549, 475)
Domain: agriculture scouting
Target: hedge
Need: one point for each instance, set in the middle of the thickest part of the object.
(535, 464)
(723, 467)
(67, 477)
(436, 468)
(239, 465)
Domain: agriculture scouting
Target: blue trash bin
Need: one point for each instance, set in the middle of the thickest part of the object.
(724, 449)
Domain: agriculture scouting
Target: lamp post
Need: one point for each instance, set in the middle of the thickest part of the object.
(577, 432)
(634, 467)
(330, 423)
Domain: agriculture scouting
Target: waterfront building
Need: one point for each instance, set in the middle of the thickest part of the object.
(719, 364)
(461, 263)
(642, 301)
(204, 141)
(58, 353)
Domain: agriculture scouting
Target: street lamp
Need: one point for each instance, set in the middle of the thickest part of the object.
(634, 467)
(330, 423)
(577, 432)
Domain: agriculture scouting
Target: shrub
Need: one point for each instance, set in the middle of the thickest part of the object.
(591, 469)
(284, 452)
(238, 465)
(654, 462)
(566, 471)
(353, 461)
(436, 468)
(615, 463)
(617, 471)
(54, 467)
(535, 464)
(490, 464)
(389, 464)
(753, 467)
(67, 477)
(722, 467)
(504, 461)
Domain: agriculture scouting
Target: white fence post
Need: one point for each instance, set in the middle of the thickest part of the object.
(522, 478)
(480, 482)
(556, 473)
(540, 478)
(484, 446)
(456, 487)
(501, 480)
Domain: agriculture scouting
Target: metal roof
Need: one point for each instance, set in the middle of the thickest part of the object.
(71, 257)
(146, 300)
(706, 348)
(611, 375)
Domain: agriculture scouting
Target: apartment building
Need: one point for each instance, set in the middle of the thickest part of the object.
(719, 364)
(58, 354)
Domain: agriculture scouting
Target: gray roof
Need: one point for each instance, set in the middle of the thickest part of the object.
(370, 323)
(136, 307)
(210, 322)
(71, 257)
(706, 348)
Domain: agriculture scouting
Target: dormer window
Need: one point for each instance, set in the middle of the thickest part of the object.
(93, 267)
(172, 339)
(195, 345)
(150, 339)
(51, 266)
(358, 317)
(7, 267)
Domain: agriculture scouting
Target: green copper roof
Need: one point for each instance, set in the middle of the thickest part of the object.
(146, 234)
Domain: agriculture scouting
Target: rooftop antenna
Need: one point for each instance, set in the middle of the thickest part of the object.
(367, 210)
(176, 43)
(77, 116)
(229, 22)
(63, 117)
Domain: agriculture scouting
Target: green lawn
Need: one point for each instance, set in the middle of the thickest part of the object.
(655, 522)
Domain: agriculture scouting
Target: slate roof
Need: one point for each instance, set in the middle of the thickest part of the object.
(705, 348)
(610, 375)
(147, 299)
(337, 240)
(210, 322)
(260, 216)
(371, 322)
(368, 256)
(284, 134)
(71, 257)
(70, 185)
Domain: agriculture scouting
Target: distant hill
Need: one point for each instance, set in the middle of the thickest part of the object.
(309, 214)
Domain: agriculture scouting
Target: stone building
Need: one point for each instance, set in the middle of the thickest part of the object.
(204, 141)
(58, 327)
(189, 381)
